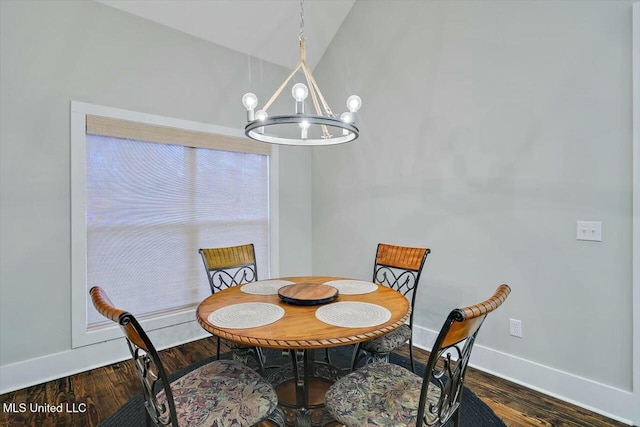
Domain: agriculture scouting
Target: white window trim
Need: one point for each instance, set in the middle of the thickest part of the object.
(635, 43)
(80, 336)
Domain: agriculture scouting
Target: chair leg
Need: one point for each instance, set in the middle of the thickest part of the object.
(413, 365)
(456, 418)
(354, 356)
(327, 356)
(218, 350)
(261, 355)
(260, 358)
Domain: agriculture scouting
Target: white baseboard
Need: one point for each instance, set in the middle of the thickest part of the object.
(18, 375)
(603, 399)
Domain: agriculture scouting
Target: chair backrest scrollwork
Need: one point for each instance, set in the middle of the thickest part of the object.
(151, 373)
(400, 267)
(448, 360)
(229, 266)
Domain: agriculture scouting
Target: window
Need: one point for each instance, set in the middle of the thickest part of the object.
(145, 199)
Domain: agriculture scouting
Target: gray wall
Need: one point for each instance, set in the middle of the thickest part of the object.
(54, 52)
(488, 129)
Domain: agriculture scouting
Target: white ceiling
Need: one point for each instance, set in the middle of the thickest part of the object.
(266, 29)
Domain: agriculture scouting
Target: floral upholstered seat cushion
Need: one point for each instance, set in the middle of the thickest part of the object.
(222, 393)
(389, 342)
(380, 394)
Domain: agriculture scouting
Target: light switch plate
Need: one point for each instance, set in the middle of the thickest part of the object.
(515, 328)
(589, 230)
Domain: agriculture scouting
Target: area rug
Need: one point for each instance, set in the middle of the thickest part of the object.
(474, 413)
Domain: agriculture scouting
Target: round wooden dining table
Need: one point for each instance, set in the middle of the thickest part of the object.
(303, 326)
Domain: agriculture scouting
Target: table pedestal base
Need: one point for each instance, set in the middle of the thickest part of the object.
(314, 413)
(301, 388)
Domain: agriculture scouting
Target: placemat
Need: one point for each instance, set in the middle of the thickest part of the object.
(353, 287)
(353, 314)
(246, 315)
(264, 287)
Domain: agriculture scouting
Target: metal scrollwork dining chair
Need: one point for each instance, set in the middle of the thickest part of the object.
(232, 266)
(387, 394)
(400, 268)
(219, 393)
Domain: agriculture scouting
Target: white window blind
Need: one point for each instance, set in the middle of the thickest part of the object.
(150, 207)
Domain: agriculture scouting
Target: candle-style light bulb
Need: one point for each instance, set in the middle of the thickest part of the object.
(304, 125)
(354, 103)
(299, 92)
(250, 101)
(262, 116)
(347, 118)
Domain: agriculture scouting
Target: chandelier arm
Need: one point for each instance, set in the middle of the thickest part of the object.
(282, 86)
(313, 88)
(325, 132)
(313, 83)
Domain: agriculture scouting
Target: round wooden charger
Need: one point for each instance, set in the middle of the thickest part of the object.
(308, 293)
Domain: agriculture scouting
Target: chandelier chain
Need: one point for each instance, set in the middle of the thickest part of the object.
(301, 35)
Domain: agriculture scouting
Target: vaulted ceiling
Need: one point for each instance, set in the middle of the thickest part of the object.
(266, 29)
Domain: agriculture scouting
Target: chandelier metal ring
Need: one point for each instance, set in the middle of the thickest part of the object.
(253, 130)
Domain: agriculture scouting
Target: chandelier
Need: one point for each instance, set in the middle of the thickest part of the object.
(301, 128)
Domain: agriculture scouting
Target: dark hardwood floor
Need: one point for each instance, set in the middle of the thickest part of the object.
(104, 390)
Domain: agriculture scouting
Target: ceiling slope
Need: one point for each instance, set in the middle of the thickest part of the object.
(266, 29)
